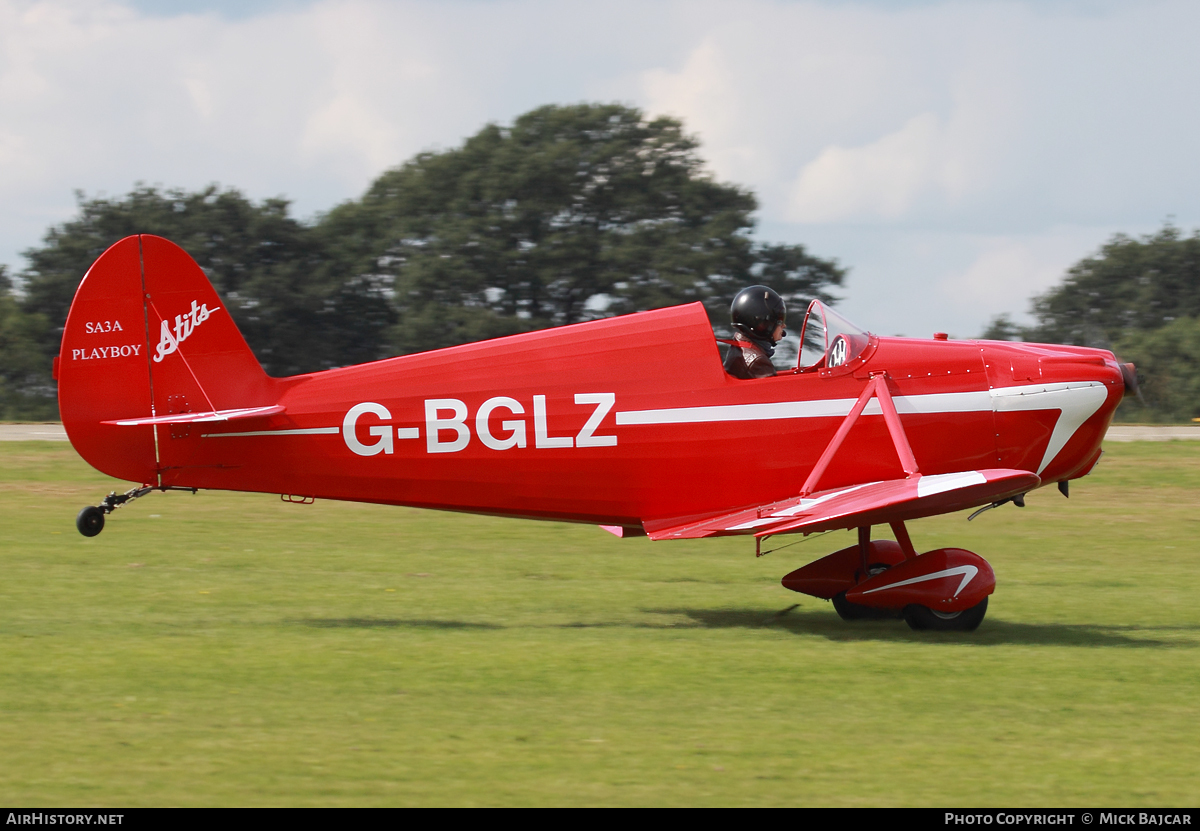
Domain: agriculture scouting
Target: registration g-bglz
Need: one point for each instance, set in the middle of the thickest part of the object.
(499, 425)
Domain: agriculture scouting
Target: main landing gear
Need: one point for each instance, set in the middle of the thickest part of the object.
(90, 521)
(945, 590)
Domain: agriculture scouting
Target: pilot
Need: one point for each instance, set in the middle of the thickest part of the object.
(758, 316)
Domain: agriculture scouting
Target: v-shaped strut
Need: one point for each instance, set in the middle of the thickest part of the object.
(876, 388)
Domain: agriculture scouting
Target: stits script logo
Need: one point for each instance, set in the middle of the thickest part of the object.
(185, 324)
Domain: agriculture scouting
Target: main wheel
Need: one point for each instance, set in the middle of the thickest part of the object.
(922, 618)
(90, 521)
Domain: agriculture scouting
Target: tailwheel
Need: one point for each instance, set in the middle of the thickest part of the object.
(90, 521)
(923, 618)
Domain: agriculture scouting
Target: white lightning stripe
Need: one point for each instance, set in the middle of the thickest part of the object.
(739, 412)
(953, 402)
(1077, 402)
(979, 401)
(968, 574)
(306, 431)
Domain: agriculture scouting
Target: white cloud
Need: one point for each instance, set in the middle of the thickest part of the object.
(1009, 270)
(915, 282)
(880, 180)
(703, 95)
(991, 116)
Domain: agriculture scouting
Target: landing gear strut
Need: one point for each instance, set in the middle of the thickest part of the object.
(90, 520)
(853, 611)
(944, 590)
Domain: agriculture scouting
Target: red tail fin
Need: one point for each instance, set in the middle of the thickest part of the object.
(147, 336)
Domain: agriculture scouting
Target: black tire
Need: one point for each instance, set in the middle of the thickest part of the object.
(924, 619)
(854, 611)
(90, 521)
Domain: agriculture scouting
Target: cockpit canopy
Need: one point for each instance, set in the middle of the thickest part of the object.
(827, 339)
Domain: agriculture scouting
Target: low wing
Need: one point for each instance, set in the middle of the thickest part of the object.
(873, 503)
(192, 418)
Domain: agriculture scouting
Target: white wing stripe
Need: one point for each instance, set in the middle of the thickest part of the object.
(940, 483)
(754, 523)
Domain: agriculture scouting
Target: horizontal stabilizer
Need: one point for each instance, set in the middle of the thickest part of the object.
(873, 503)
(193, 418)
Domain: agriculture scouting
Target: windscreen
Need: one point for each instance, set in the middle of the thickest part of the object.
(828, 339)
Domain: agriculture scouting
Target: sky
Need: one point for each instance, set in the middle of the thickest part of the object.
(955, 157)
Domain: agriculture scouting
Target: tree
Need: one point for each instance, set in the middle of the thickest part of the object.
(1002, 327)
(1130, 284)
(297, 313)
(1168, 359)
(1139, 298)
(569, 214)
(26, 391)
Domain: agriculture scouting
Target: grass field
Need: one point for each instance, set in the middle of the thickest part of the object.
(228, 649)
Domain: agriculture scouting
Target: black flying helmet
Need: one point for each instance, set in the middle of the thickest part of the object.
(756, 311)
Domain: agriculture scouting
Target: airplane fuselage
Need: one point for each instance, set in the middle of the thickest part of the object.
(629, 422)
(622, 420)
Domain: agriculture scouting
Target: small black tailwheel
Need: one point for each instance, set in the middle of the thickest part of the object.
(922, 618)
(90, 521)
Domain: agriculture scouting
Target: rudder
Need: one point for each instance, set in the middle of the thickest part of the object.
(147, 336)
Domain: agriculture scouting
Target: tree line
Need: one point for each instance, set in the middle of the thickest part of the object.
(1140, 298)
(567, 214)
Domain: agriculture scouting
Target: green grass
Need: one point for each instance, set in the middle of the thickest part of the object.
(228, 649)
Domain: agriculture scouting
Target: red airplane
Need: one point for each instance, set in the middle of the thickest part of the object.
(629, 423)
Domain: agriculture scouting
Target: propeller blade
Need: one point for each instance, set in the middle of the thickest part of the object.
(1129, 375)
